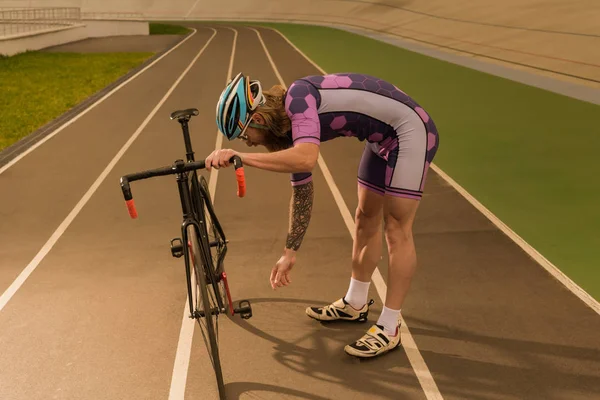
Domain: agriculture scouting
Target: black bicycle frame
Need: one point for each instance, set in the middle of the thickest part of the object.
(186, 138)
(204, 195)
(190, 217)
(193, 200)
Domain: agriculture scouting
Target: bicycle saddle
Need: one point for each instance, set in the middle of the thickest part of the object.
(180, 114)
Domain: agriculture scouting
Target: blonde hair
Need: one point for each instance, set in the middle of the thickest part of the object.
(276, 119)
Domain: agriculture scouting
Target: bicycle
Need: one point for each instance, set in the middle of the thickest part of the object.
(205, 239)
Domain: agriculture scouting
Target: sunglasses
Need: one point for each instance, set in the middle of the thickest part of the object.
(243, 136)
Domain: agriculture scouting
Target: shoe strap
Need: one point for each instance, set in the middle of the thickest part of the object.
(373, 337)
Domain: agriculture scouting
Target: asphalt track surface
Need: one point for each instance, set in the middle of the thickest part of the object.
(98, 313)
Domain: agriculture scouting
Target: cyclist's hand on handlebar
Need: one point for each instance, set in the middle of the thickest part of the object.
(280, 274)
(220, 158)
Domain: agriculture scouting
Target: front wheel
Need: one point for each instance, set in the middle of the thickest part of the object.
(217, 247)
(205, 308)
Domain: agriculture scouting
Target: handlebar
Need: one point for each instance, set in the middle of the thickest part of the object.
(178, 167)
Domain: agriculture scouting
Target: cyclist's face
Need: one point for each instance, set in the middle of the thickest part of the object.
(254, 137)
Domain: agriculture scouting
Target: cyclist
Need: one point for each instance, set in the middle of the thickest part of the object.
(401, 142)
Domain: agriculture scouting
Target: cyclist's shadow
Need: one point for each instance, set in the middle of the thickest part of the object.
(377, 375)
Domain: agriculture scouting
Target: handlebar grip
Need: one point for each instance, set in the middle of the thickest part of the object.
(241, 181)
(131, 207)
(239, 174)
(128, 197)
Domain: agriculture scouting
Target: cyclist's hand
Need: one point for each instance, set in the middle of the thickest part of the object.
(280, 274)
(220, 158)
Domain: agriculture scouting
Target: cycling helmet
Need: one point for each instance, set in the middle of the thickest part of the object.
(237, 103)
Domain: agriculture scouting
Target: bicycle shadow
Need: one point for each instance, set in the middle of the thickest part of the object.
(321, 357)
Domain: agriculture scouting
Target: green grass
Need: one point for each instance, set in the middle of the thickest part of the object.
(525, 153)
(167, 29)
(38, 87)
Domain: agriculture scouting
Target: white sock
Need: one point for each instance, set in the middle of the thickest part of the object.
(357, 293)
(389, 320)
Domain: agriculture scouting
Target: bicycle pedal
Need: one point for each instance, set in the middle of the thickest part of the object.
(176, 249)
(244, 309)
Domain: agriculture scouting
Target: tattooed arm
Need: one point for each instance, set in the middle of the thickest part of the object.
(300, 212)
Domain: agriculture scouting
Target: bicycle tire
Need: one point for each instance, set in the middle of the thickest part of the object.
(198, 259)
(212, 229)
(215, 235)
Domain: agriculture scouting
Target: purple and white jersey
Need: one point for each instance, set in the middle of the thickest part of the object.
(323, 107)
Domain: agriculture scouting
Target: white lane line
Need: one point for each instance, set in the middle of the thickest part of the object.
(12, 289)
(182, 356)
(184, 345)
(214, 173)
(539, 258)
(414, 355)
(91, 107)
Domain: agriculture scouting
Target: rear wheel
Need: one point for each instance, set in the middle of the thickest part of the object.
(206, 310)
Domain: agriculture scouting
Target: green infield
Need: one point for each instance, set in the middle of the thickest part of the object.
(38, 87)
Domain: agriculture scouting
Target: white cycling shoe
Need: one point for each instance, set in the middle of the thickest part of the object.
(339, 310)
(373, 343)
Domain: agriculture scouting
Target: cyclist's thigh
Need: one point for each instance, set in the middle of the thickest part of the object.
(371, 182)
(409, 162)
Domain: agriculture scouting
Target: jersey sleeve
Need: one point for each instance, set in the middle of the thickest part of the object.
(301, 105)
(300, 178)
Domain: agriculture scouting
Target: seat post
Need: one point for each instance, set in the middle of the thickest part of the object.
(187, 140)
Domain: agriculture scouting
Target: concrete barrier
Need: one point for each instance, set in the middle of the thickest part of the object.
(41, 39)
(37, 40)
(100, 28)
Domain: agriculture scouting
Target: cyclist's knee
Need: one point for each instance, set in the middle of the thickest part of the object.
(398, 220)
(396, 231)
(368, 219)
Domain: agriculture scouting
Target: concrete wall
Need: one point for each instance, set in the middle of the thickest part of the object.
(99, 28)
(41, 39)
(91, 28)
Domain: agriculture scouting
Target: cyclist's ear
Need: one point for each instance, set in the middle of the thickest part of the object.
(258, 119)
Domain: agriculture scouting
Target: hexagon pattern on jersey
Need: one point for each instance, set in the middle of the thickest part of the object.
(353, 124)
(304, 99)
(364, 82)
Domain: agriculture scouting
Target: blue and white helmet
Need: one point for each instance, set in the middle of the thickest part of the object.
(237, 102)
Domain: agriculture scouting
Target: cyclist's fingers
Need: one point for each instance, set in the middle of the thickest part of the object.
(221, 156)
(223, 159)
(278, 279)
(212, 160)
(283, 279)
(273, 277)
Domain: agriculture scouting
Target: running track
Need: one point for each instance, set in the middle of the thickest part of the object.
(92, 302)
